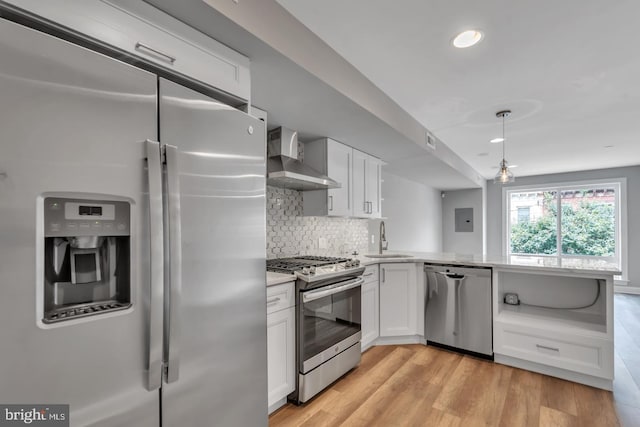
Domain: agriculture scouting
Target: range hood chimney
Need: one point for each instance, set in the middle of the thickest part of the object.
(285, 170)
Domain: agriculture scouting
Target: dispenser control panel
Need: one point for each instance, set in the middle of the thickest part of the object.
(64, 217)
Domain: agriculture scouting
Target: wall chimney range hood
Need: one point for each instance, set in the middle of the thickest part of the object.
(285, 170)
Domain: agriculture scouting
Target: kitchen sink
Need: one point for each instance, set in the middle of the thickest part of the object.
(388, 256)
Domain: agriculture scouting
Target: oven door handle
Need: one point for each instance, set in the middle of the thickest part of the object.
(314, 295)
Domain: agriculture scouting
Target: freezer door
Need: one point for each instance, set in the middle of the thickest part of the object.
(71, 120)
(219, 376)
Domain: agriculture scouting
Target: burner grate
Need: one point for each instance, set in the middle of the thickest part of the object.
(293, 264)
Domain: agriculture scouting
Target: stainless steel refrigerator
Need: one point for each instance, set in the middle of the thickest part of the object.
(132, 242)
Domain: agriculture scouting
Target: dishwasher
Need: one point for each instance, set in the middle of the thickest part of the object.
(458, 308)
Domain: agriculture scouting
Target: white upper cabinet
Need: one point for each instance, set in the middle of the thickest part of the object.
(374, 187)
(360, 201)
(334, 160)
(358, 172)
(339, 167)
(366, 185)
(145, 32)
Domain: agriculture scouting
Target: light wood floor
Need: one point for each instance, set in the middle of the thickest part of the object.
(415, 385)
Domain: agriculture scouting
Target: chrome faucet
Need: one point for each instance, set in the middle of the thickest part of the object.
(382, 241)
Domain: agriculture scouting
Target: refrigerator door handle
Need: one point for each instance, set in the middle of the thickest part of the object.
(172, 356)
(156, 286)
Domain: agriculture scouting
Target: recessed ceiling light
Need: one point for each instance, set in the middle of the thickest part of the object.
(496, 140)
(467, 38)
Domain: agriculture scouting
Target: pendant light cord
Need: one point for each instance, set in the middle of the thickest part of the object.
(504, 139)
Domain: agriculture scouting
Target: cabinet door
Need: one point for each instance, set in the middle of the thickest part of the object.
(372, 186)
(339, 167)
(398, 300)
(370, 313)
(145, 32)
(360, 200)
(281, 353)
(366, 185)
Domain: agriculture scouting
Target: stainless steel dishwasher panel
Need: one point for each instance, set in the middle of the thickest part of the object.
(458, 308)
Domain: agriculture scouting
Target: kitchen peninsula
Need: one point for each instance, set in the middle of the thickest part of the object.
(558, 319)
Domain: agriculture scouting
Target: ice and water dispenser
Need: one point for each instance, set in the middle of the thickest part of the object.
(87, 257)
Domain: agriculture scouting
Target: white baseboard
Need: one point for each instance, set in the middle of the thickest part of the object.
(279, 404)
(366, 347)
(627, 290)
(408, 339)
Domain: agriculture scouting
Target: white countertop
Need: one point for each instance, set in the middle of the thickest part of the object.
(551, 264)
(532, 263)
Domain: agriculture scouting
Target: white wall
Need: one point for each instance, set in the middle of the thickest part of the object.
(632, 174)
(413, 215)
(462, 242)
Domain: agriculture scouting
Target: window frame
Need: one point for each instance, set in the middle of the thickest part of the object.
(620, 219)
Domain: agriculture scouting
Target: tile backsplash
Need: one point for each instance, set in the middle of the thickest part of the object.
(289, 233)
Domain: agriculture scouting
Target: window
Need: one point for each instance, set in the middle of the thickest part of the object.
(569, 220)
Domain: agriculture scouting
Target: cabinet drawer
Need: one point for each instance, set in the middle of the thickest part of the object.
(370, 274)
(588, 355)
(280, 297)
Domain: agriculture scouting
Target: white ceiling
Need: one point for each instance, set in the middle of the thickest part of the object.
(296, 98)
(569, 70)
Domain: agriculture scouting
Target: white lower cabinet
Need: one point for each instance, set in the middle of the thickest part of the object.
(280, 343)
(401, 300)
(545, 334)
(370, 307)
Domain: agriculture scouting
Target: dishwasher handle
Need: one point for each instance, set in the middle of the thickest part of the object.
(458, 280)
(458, 319)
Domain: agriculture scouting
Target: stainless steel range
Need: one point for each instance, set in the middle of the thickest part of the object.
(328, 319)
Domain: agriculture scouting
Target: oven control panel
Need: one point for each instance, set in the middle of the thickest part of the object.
(332, 268)
(330, 272)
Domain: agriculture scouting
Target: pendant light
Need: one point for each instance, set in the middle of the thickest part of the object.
(504, 175)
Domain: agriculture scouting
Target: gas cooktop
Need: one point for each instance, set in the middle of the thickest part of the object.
(306, 264)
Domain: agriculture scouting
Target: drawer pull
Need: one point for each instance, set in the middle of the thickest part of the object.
(273, 301)
(153, 52)
(544, 347)
(368, 274)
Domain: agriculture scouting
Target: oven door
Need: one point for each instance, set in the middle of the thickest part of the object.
(329, 322)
